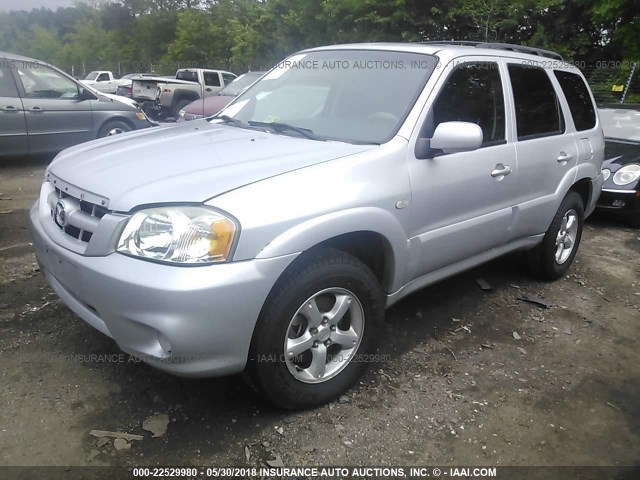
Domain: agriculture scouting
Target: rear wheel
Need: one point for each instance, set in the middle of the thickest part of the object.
(113, 127)
(317, 331)
(552, 258)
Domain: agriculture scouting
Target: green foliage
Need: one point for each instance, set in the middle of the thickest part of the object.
(163, 35)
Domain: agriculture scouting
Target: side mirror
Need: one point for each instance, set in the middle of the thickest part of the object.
(87, 94)
(450, 137)
(453, 137)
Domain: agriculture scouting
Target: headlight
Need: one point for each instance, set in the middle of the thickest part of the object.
(181, 113)
(180, 234)
(627, 174)
(606, 173)
(141, 116)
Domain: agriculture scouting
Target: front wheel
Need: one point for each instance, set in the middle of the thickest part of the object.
(552, 258)
(113, 127)
(318, 330)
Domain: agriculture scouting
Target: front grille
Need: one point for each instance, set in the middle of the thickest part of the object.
(76, 217)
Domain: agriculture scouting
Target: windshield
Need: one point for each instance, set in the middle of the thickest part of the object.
(91, 76)
(622, 123)
(357, 96)
(236, 87)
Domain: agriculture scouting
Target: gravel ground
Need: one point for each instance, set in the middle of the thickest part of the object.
(467, 377)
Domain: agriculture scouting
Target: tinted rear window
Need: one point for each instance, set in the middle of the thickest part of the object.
(577, 95)
(538, 112)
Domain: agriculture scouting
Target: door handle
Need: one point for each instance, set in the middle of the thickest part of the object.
(9, 109)
(37, 109)
(564, 157)
(207, 89)
(501, 170)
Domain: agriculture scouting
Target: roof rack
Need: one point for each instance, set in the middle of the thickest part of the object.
(499, 46)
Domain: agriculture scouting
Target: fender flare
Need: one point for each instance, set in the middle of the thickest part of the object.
(180, 94)
(317, 230)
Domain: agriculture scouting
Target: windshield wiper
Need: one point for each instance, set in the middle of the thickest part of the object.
(283, 127)
(233, 121)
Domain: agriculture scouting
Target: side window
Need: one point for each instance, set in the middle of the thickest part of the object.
(577, 95)
(228, 78)
(44, 82)
(473, 93)
(538, 112)
(103, 77)
(187, 75)
(211, 79)
(7, 85)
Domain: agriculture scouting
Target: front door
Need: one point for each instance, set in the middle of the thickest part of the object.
(56, 115)
(461, 202)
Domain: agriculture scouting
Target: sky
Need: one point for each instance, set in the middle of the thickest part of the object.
(7, 5)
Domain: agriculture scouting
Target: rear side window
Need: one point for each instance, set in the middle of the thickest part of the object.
(211, 79)
(7, 85)
(577, 95)
(538, 112)
(473, 93)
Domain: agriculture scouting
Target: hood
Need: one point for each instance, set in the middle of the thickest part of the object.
(210, 106)
(121, 99)
(113, 98)
(189, 162)
(618, 153)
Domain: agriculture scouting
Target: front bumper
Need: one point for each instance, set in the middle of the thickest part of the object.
(190, 321)
(621, 202)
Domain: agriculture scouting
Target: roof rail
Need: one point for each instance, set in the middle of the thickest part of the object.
(522, 49)
(499, 46)
(469, 43)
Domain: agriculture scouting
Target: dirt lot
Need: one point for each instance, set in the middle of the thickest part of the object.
(472, 377)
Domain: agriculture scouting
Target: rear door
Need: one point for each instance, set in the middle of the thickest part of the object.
(583, 113)
(212, 83)
(56, 116)
(546, 152)
(13, 127)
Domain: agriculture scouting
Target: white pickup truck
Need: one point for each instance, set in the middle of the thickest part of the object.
(162, 97)
(102, 80)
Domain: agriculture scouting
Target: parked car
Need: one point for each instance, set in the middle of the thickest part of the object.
(42, 109)
(162, 97)
(101, 80)
(621, 168)
(205, 107)
(311, 203)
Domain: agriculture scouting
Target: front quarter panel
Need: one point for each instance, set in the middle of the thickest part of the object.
(293, 212)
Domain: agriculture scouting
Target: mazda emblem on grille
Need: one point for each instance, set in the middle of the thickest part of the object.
(60, 214)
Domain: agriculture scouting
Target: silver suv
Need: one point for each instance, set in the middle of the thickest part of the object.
(271, 238)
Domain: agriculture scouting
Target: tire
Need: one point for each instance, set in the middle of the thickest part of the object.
(113, 127)
(548, 261)
(179, 105)
(325, 279)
